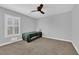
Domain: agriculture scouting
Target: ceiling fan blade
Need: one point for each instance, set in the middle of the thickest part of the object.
(42, 12)
(41, 6)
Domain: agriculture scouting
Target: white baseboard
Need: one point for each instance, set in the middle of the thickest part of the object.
(6, 43)
(58, 39)
(75, 47)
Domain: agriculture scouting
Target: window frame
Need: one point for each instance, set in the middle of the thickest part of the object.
(13, 18)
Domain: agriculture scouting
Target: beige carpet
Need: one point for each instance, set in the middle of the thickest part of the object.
(41, 46)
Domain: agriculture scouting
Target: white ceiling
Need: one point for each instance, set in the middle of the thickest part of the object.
(49, 9)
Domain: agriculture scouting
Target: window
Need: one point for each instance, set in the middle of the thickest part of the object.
(12, 25)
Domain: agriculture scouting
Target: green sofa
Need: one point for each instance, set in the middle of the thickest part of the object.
(30, 36)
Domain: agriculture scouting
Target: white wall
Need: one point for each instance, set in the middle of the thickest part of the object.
(75, 26)
(57, 26)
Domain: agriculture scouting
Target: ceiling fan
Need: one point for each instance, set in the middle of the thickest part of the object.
(39, 9)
